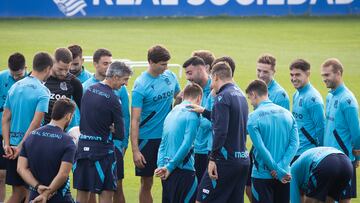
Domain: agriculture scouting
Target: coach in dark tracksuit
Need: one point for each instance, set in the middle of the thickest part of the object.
(229, 159)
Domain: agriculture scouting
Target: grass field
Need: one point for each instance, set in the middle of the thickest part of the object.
(244, 39)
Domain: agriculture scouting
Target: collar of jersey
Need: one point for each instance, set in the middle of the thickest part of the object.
(224, 87)
(338, 90)
(305, 88)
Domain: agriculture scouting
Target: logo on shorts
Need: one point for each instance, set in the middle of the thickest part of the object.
(86, 149)
(206, 191)
(63, 86)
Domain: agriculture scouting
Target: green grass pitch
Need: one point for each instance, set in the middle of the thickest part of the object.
(244, 39)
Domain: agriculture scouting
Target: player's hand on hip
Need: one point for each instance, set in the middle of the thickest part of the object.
(139, 159)
(196, 108)
(8, 152)
(212, 170)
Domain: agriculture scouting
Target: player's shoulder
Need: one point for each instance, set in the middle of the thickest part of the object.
(4, 74)
(348, 100)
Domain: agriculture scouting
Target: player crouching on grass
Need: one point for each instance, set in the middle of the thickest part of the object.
(176, 155)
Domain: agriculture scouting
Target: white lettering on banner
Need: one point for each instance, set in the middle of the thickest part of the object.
(196, 2)
(125, 2)
(219, 2)
(343, 1)
(97, 2)
(296, 2)
(276, 2)
(247, 2)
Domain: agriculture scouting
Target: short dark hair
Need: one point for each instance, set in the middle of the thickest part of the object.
(76, 51)
(16, 62)
(158, 53)
(192, 91)
(195, 61)
(41, 61)
(267, 59)
(100, 53)
(222, 70)
(335, 64)
(61, 108)
(226, 59)
(64, 55)
(300, 64)
(257, 86)
(206, 55)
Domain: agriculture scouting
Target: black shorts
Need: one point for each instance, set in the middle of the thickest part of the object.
(12, 177)
(149, 149)
(251, 154)
(119, 163)
(95, 175)
(229, 187)
(201, 162)
(180, 186)
(331, 177)
(269, 191)
(2, 153)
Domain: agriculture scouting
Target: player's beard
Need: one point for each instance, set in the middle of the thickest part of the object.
(67, 125)
(75, 72)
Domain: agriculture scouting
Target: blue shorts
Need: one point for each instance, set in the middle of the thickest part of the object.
(2, 153)
(269, 191)
(12, 177)
(119, 164)
(95, 175)
(180, 186)
(149, 149)
(331, 177)
(229, 187)
(201, 163)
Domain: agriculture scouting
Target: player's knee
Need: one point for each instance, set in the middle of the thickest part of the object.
(2, 176)
(146, 183)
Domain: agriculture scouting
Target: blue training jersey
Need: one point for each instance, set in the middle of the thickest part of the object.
(308, 111)
(208, 106)
(204, 131)
(278, 95)
(229, 117)
(154, 96)
(123, 95)
(6, 81)
(100, 108)
(301, 170)
(342, 121)
(274, 134)
(176, 147)
(24, 98)
(50, 145)
(84, 75)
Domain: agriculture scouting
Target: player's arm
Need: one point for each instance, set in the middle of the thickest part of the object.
(25, 173)
(118, 119)
(283, 100)
(78, 91)
(65, 168)
(35, 124)
(6, 120)
(318, 117)
(221, 117)
(291, 148)
(124, 97)
(295, 195)
(41, 108)
(138, 158)
(185, 147)
(254, 132)
(351, 116)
